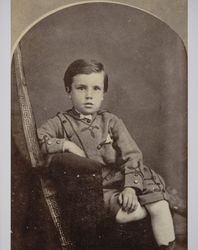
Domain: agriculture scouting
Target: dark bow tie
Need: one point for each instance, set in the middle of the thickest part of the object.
(87, 118)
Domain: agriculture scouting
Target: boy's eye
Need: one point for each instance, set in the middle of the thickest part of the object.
(81, 87)
(97, 88)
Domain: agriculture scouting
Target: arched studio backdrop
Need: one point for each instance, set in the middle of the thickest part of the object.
(146, 64)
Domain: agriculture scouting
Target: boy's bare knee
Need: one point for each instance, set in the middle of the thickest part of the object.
(157, 208)
(120, 217)
(124, 217)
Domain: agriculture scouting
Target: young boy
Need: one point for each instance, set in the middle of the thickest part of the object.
(130, 189)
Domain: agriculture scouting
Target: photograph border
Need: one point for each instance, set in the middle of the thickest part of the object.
(5, 27)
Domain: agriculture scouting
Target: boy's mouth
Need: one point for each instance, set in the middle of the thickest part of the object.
(88, 104)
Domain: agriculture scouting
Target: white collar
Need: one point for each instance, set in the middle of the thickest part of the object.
(82, 116)
(85, 116)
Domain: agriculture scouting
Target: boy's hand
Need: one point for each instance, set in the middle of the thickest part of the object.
(128, 200)
(71, 147)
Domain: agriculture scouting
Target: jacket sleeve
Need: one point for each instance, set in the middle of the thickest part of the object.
(129, 155)
(51, 136)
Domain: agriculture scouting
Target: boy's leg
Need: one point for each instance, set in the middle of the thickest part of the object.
(162, 223)
(112, 204)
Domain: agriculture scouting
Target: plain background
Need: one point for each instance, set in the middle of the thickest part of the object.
(25, 13)
(4, 232)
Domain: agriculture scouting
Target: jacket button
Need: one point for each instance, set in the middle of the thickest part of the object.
(88, 120)
(49, 142)
(58, 142)
(99, 146)
(77, 176)
(136, 181)
(93, 175)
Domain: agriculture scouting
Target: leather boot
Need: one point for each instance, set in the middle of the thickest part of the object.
(170, 246)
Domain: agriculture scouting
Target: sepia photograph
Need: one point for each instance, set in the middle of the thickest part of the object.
(99, 126)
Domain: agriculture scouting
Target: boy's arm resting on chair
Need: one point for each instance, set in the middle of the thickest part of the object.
(52, 141)
(53, 145)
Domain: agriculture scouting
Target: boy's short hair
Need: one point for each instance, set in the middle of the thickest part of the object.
(82, 66)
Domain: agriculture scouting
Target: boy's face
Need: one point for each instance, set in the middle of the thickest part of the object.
(87, 92)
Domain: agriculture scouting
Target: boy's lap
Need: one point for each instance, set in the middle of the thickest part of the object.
(78, 182)
(153, 191)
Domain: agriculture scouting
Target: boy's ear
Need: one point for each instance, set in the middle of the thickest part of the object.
(67, 89)
(68, 92)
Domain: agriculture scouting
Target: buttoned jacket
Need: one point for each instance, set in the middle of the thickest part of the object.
(104, 139)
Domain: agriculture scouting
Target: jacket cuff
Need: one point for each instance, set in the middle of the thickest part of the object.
(134, 180)
(53, 145)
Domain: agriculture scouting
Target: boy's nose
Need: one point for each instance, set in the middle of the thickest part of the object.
(89, 94)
